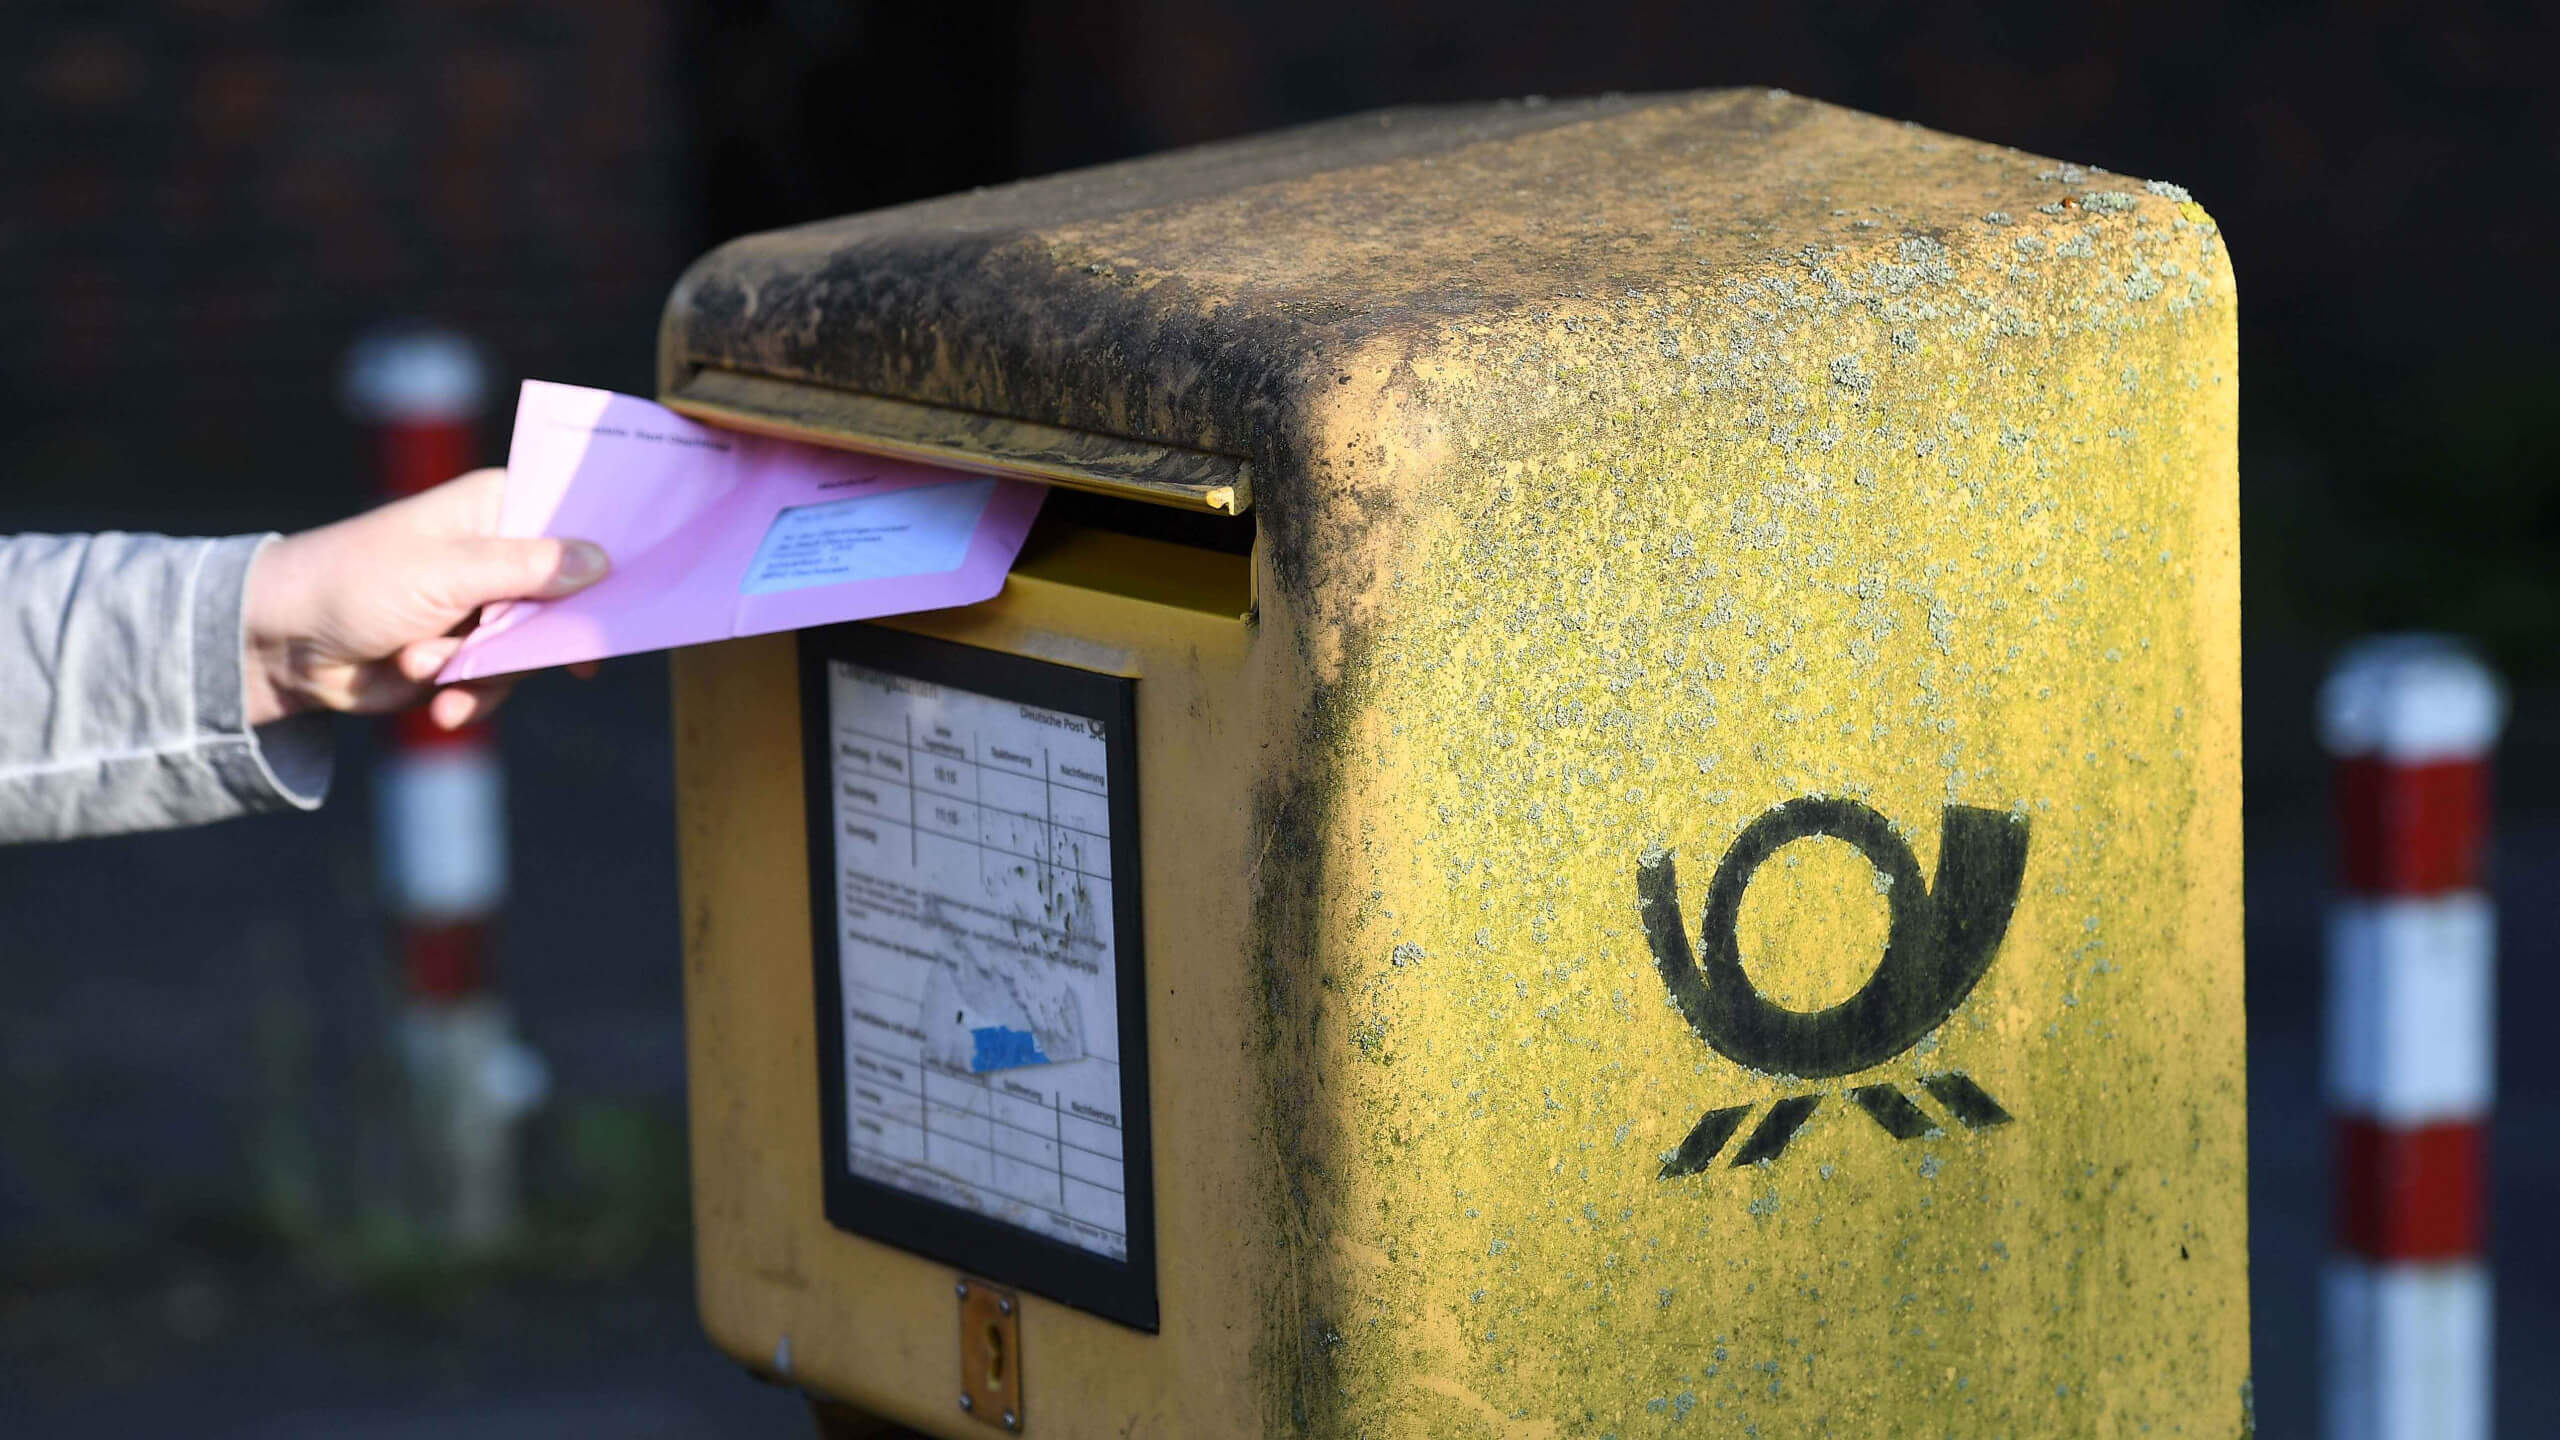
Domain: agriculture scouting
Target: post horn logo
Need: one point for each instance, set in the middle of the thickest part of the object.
(1940, 940)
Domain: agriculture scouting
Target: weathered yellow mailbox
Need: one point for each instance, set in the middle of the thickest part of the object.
(1608, 796)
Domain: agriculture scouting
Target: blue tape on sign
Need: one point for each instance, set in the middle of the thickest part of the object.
(1001, 1047)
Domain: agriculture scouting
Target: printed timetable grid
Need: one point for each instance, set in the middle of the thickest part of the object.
(974, 834)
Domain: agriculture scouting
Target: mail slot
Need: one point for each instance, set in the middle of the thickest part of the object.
(1606, 795)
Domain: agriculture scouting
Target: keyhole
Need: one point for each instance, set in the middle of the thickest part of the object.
(995, 1356)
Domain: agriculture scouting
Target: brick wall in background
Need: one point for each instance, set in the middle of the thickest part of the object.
(202, 201)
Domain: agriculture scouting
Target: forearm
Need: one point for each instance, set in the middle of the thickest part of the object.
(121, 690)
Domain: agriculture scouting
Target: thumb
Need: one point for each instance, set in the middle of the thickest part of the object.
(486, 570)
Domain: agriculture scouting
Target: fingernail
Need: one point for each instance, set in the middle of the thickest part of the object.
(582, 562)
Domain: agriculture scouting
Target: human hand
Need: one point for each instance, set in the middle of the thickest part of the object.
(360, 615)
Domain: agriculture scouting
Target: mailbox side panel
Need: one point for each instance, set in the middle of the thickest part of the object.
(1875, 603)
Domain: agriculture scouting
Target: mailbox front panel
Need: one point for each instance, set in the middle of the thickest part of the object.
(812, 1270)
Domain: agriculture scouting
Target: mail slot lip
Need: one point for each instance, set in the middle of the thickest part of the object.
(967, 440)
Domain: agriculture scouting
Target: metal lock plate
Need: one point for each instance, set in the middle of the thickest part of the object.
(990, 1354)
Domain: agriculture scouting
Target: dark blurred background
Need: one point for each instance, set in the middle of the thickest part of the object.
(203, 202)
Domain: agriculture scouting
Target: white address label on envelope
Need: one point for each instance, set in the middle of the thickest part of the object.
(920, 531)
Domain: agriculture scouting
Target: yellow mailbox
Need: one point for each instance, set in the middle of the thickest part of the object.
(1607, 798)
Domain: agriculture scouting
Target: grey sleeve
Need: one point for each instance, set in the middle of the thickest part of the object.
(121, 698)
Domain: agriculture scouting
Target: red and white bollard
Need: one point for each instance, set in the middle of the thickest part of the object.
(441, 841)
(2411, 721)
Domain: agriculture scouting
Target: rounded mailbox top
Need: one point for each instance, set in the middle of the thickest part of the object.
(1219, 301)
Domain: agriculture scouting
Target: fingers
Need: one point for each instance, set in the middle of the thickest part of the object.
(483, 571)
(420, 662)
(469, 703)
(412, 674)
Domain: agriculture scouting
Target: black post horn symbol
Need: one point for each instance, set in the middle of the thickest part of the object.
(1940, 941)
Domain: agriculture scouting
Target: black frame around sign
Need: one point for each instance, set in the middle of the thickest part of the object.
(978, 1244)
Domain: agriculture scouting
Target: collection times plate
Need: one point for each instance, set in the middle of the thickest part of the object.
(973, 871)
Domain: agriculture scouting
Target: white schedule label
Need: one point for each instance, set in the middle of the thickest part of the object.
(982, 1025)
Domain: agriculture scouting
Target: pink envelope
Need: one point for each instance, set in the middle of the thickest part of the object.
(715, 534)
